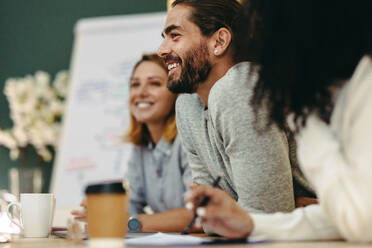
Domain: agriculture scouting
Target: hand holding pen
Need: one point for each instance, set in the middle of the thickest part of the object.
(221, 213)
(204, 202)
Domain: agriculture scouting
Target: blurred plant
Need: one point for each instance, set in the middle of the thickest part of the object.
(36, 108)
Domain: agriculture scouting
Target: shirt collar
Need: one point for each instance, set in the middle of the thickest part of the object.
(163, 147)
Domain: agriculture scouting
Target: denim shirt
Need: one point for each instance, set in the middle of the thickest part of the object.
(159, 176)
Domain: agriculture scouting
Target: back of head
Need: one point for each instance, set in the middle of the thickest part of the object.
(306, 47)
(211, 15)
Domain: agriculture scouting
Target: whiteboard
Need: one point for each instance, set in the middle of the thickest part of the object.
(96, 117)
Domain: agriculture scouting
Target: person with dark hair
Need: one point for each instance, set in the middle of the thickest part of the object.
(158, 170)
(315, 76)
(214, 119)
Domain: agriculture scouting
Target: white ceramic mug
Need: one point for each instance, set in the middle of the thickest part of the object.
(36, 214)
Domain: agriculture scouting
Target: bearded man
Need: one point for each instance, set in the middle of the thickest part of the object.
(214, 118)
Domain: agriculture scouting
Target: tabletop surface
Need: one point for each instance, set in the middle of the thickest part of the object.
(54, 242)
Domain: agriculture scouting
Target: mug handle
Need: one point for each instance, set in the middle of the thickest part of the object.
(10, 215)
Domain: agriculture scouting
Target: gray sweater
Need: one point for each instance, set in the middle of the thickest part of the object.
(222, 139)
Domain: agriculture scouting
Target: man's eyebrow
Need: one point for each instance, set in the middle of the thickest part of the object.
(169, 29)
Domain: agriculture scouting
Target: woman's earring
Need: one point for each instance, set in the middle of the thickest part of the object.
(215, 51)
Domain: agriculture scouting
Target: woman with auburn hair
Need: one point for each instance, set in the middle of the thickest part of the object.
(139, 133)
(158, 170)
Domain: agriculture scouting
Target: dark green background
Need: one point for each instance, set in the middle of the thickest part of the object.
(38, 35)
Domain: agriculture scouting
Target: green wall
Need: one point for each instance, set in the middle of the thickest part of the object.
(38, 35)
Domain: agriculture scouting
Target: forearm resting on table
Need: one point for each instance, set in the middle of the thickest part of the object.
(170, 221)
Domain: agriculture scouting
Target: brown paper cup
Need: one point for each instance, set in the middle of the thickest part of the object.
(107, 207)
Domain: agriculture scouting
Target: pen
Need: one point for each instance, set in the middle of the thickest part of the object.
(204, 202)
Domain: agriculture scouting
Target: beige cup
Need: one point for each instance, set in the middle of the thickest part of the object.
(107, 214)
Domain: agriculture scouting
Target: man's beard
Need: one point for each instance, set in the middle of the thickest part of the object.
(194, 70)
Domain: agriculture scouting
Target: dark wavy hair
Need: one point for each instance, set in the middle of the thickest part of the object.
(306, 48)
(211, 15)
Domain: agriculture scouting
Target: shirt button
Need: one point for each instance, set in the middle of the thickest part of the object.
(158, 172)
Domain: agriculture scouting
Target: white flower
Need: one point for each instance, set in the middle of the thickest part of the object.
(14, 153)
(7, 139)
(36, 108)
(20, 135)
(42, 80)
(61, 83)
(21, 95)
(45, 154)
(57, 107)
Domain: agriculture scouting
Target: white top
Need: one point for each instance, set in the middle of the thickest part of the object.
(337, 160)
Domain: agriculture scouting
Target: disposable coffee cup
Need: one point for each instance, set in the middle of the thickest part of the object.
(107, 207)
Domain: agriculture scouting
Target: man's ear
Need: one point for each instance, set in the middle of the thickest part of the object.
(221, 41)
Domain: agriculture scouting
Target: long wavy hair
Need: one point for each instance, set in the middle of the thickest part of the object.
(305, 48)
(138, 133)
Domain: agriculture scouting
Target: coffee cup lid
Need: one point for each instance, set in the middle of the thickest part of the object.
(116, 188)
